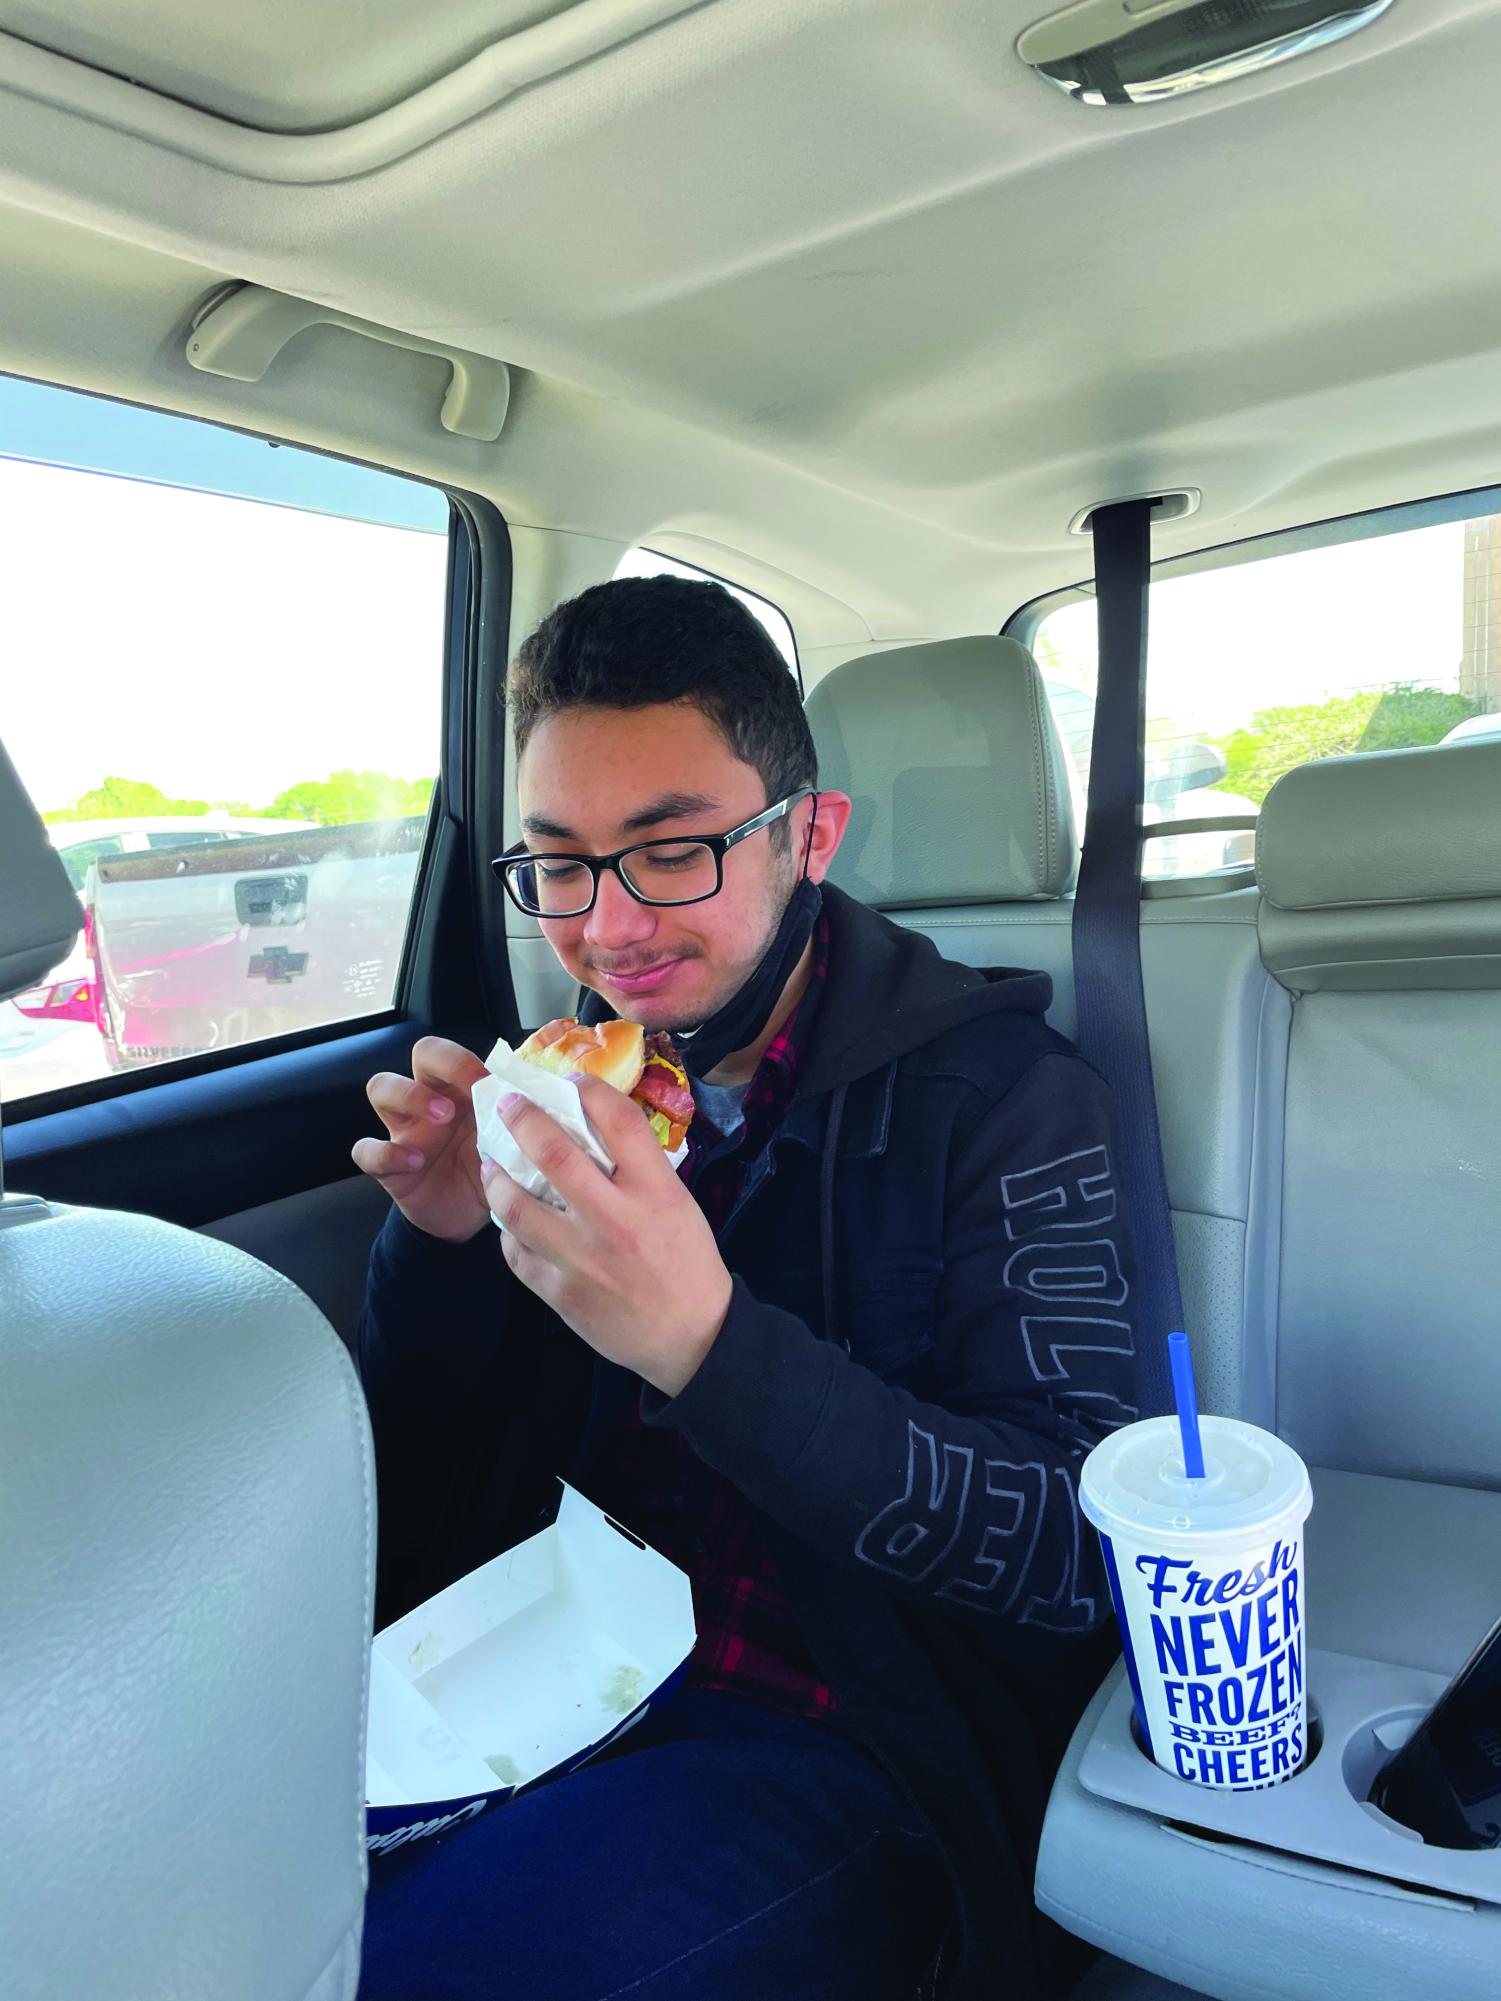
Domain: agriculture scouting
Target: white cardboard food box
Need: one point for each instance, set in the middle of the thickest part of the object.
(520, 1671)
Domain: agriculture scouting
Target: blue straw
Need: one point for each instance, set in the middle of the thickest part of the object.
(1182, 1363)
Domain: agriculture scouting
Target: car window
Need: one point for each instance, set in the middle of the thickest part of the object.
(1379, 642)
(77, 856)
(190, 839)
(1474, 727)
(647, 563)
(227, 678)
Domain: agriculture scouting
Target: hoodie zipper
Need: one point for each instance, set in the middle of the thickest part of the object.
(827, 1160)
(763, 1169)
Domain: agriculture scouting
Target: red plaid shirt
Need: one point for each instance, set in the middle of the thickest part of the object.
(748, 1641)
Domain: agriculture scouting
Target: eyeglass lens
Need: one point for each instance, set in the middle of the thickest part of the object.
(668, 872)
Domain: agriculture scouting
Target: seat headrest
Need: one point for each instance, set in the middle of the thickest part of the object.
(1384, 870)
(39, 914)
(961, 791)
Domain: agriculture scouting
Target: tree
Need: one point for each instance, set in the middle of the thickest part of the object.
(126, 799)
(1395, 718)
(345, 796)
(342, 797)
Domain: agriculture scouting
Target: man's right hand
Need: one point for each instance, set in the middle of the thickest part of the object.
(429, 1166)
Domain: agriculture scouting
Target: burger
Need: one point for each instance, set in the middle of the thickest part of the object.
(645, 1067)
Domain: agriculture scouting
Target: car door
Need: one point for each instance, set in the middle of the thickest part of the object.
(299, 641)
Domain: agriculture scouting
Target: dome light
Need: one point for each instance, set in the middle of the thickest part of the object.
(1144, 51)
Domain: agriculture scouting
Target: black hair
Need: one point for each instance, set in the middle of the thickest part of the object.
(642, 640)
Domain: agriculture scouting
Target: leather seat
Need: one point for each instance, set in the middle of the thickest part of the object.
(1381, 920)
(187, 1572)
(1381, 916)
(1326, 1059)
(964, 828)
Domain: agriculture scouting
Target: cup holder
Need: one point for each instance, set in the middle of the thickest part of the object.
(1370, 1749)
(1360, 1714)
(1315, 1729)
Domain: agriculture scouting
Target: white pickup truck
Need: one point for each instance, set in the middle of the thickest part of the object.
(215, 942)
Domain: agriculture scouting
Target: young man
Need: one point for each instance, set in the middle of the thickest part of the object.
(842, 1368)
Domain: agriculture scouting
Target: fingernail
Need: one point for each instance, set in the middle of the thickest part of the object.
(578, 1076)
(512, 1101)
(441, 1108)
(414, 1160)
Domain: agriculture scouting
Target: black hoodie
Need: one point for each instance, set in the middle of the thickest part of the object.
(930, 1327)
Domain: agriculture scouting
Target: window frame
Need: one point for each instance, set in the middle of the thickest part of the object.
(114, 843)
(730, 584)
(478, 576)
(1371, 525)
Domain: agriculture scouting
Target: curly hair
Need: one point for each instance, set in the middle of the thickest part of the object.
(643, 640)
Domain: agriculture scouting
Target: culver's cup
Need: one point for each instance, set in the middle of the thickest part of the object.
(1207, 1580)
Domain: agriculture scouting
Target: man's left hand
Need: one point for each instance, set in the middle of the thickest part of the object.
(631, 1265)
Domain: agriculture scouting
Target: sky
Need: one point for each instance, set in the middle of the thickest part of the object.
(67, 428)
(225, 643)
(1292, 629)
(219, 646)
(287, 622)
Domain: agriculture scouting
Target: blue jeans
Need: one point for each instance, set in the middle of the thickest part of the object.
(720, 1852)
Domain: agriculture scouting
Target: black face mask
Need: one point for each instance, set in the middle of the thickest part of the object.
(746, 1013)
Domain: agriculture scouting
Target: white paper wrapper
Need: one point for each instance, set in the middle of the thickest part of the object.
(557, 1097)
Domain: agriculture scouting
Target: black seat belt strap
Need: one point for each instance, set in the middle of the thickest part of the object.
(1107, 930)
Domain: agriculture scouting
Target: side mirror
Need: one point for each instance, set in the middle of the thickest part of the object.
(1187, 767)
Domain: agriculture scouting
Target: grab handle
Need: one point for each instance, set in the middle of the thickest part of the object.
(241, 332)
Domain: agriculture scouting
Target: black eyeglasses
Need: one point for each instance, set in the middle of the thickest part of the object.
(657, 872)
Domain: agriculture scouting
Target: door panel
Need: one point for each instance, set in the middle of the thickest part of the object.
(251, 1143)
(320, 1240)
(197, 1150)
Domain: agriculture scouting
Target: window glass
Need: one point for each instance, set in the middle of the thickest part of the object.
(647, 563)
(223, 688)
(77, 855)
(1382, 643)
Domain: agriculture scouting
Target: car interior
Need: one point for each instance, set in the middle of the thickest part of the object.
(861, 309)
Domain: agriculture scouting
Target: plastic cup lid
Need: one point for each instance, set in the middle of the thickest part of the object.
(1134, 1482)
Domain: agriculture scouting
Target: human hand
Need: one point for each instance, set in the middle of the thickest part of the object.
(429, 1166)
(630, 1264)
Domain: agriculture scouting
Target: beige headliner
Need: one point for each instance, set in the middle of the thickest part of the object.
(836, 285)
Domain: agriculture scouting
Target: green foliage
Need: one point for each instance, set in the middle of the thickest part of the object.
(1407, 716)
(126, 799)
(335, 801)
(346, 796)
(1395, 718)
(1049, 658)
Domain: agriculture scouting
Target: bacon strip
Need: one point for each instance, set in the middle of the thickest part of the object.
(660, 1089)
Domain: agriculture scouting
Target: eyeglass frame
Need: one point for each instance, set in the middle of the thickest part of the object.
(719, 846)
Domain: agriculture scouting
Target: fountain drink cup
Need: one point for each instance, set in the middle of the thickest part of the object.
(1207, 1580)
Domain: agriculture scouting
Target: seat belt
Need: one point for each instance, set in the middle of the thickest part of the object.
(1112, 1008)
